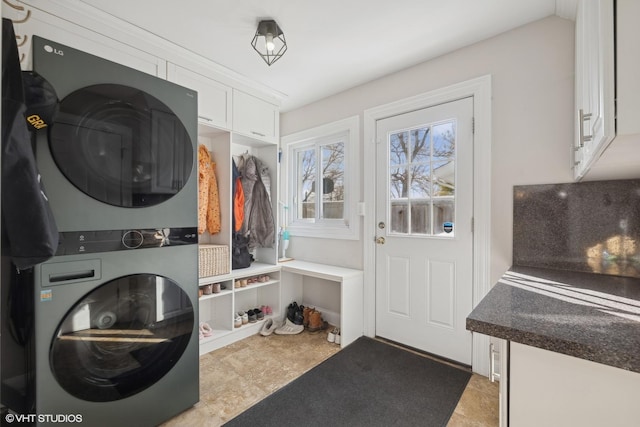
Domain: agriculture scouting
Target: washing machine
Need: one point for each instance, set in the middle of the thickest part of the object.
(116, 335)
(120, 153)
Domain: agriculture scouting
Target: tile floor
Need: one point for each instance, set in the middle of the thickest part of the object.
(237, 376)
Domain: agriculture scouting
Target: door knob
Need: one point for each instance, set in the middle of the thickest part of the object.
(380, 240)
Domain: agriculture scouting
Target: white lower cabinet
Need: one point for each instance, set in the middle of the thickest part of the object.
(553, 389)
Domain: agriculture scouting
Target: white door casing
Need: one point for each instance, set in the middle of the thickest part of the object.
(480, 89)
(424, 208)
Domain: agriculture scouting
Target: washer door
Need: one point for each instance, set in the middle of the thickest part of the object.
(122, 338)
(121, 146)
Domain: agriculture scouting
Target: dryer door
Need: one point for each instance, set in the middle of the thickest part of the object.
(122, 337)
(121, 145)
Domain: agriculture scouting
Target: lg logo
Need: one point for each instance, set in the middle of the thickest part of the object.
(50, 49)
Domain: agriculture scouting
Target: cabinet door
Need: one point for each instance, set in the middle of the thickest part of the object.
(79, 37)
(595, 121)
(254, 117)
(214, 106)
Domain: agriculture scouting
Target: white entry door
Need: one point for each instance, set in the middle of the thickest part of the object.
(424, 206)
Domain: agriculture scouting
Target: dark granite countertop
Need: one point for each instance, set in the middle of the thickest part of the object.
(591, 316)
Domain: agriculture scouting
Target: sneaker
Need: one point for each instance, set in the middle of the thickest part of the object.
(244, 316)
(252, 316)
(289, 328)
(268, 328)
(331, 336)
(237, 322)
(338, 339)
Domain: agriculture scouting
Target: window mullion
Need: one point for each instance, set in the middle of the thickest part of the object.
(319, 176)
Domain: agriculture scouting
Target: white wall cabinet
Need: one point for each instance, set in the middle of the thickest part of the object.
(254, 117)
(52, 27)
(607, 92)
(595, 126)
(214, 98)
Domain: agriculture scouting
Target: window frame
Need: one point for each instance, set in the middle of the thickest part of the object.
(348, 131)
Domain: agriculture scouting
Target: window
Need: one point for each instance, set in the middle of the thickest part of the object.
(322, 167)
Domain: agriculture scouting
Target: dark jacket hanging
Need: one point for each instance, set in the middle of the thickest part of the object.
(29, 232)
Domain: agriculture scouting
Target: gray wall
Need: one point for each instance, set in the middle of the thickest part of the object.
(532, 69)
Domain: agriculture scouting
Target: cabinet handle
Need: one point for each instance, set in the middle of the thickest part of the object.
(493, 376)
(258, 133)
(582, 137)
(205, 118)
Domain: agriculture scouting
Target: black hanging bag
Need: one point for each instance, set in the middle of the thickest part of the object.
(29, 232)
(240, 255)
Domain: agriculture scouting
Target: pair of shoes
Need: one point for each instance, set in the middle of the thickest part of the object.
(289, 328)
(266, 310)
(294, 314)
(244, 317)
(205, 330)
(268, 328)
(334, 336)
(316, 323)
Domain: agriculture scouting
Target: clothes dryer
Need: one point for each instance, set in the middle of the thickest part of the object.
(116, 335)
(120, 153)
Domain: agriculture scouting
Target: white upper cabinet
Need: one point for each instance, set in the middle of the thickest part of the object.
(32, 21)
(214, 98)
(607, 92)
(255, 118)
(594, 92)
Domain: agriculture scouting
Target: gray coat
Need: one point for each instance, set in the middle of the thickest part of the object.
(258, 213)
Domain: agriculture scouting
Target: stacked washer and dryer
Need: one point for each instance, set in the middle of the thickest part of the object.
(115, 311)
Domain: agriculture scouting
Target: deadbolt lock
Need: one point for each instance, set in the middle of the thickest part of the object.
(381, 225)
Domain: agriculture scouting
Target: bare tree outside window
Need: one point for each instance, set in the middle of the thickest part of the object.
(330, 191)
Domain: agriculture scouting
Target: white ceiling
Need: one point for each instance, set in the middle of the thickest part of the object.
(333, 45)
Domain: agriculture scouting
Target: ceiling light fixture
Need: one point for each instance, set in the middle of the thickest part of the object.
(269, 41)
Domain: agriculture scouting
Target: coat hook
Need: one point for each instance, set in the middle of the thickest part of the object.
(22, 21)
(15, 6)
(24, 40)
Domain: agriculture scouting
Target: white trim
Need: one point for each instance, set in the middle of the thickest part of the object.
(349, 228)
(480, 89)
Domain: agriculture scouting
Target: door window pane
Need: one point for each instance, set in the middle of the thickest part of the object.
(420, 217)
(420, 181)
(422, 176)
(399, 179)
(399, 148)
(443, 212)
(399, 218)
(420, 139)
